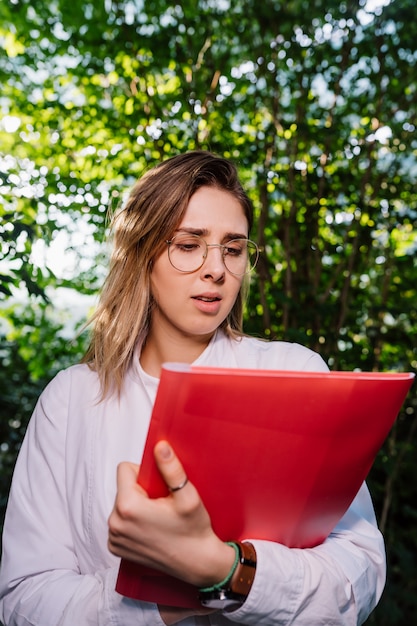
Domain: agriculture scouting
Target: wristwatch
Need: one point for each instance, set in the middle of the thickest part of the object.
(235, 592)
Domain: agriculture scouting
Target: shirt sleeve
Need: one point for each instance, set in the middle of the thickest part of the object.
(336, 583)
(40, 580)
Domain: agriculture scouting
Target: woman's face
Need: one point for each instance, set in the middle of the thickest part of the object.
(195, 304)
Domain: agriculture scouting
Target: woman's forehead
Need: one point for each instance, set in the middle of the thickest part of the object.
(211, 209)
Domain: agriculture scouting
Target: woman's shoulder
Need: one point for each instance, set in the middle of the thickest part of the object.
(259, 353)
(79, 371)
(79, 379)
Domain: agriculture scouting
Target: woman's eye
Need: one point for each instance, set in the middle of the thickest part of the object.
(233, 250)
(187, 246)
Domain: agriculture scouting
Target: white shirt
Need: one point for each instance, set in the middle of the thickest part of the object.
(56, 568)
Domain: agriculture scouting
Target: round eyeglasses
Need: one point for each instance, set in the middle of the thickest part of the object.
(188, 252)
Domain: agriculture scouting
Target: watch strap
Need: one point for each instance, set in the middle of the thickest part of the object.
(234, 592)
(244, 574)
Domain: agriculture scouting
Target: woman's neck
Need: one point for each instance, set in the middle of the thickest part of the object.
(158, 349)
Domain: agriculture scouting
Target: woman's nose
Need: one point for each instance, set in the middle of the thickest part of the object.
(214, 264)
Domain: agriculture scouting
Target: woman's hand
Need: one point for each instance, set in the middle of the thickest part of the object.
(172, 534)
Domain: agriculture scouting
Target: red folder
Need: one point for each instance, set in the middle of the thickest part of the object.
(275, 455)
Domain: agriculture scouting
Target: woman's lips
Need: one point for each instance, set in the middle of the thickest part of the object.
(208, 303)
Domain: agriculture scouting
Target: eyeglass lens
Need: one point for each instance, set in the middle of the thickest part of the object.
(188, 252)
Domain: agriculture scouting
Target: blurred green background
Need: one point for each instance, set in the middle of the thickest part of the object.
(316, 104)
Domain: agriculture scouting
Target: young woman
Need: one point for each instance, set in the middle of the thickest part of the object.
(174, 292)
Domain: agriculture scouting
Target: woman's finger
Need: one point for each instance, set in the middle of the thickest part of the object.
(170, 467)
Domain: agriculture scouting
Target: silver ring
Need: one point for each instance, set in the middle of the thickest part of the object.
(184, 482)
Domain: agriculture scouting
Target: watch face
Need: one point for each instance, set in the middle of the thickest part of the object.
(221, 603)
(221, 599)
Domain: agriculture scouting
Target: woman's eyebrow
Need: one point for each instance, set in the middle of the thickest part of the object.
(230, 236)
(203, 232)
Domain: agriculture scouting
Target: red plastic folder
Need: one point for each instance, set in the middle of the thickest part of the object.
(275, 455)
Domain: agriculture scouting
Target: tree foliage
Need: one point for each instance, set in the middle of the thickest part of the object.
(315, 102)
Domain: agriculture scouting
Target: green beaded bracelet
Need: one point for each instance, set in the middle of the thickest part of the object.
(224, 582)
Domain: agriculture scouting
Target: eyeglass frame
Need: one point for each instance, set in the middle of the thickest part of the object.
(214, 245)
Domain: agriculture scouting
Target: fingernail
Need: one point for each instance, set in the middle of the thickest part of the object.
(164, 451)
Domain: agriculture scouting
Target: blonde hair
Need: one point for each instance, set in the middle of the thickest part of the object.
(154, 210)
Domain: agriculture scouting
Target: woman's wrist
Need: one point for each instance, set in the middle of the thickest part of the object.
(230, 573)
(217, 565)
(233, 591)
